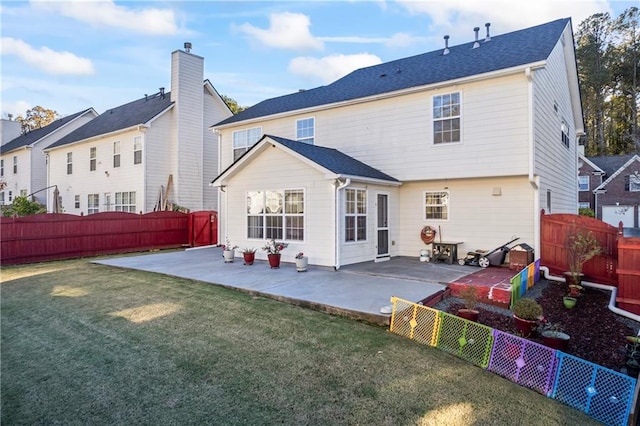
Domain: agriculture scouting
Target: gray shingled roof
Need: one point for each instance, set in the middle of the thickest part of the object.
(503, 51)
(122, 117)
(610, 163)
(37, 134)
(333, 160)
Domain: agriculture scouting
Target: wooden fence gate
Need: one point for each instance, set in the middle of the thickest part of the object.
(203, 228)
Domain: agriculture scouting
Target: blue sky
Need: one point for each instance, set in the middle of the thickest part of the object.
(72, 55)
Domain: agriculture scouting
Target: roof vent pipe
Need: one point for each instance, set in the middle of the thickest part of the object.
(187, 47)
(488, 37)
(476, 44)
(162, 93)
(446, 45)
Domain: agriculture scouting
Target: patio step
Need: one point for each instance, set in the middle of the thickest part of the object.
(493, 285)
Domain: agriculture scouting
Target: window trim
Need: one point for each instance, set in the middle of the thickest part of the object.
(93, 154)
(447, 204)
(116, 154)
(307, 139)
(137, 143)
(69, 163)
(122, 206)
(1, 167)
(446, 118)
(95, 207)
(247, 145)
(15, 164)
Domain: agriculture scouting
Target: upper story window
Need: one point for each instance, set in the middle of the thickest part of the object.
(2, 167)
(632, 182)
(436, 205)
(305, 130)
(92, 158)
(116, 154)
(15, 164)
(137, 150)
(446, 118)
(583, 183)
(69, 163)
(355, 228)
(564, 134)
(245, 139)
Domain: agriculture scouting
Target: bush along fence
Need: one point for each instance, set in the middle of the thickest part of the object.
(524, 280)
(604, 394)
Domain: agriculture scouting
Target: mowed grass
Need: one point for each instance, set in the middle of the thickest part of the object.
(91, 344)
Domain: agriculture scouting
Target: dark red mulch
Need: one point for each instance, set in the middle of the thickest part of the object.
(596, 333)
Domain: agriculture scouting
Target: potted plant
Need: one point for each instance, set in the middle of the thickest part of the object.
(553, 336)
(469, 296)
(632, 352)
(302, 262)
(569, 301)
(581, 246)
(273, 249)
(526, 314)
(249, 255)
(228, 251)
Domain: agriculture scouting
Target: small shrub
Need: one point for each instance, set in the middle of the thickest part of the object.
(527, 309)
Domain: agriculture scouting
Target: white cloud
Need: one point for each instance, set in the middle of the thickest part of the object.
(286, 31)
(107, 14)
(332, 67)
(15, 108)
(46, 59)
(459, 17)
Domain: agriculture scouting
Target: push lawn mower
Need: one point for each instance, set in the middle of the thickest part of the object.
(484, 259)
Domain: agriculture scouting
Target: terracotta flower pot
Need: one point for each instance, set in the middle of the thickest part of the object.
(525, 327)
(469, 314)
(274, 260)
(555, 339)
(249, 258)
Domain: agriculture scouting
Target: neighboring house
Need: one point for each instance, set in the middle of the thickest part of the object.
(23, 164)
(150, 154)
(472, 140)
(612, 184)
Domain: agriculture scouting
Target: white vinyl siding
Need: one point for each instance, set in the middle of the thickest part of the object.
(305, 130)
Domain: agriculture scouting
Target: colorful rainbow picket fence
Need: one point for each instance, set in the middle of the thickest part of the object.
(524, 280)
(602, 393)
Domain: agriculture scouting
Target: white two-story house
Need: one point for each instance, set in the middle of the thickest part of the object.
(472, 140)
(23, 164)
(155, 153)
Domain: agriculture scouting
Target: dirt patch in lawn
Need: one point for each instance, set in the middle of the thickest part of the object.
(597, 334)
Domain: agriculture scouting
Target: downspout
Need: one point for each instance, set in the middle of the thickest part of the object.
(533, 180)
(612, 300)
(218, 195)
(336, 222)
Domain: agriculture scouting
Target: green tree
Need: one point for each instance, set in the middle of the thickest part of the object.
(36, 118)
(232, 104)
(21, 206)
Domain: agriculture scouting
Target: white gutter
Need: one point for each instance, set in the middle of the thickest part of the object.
(612, 301)
(336, 222)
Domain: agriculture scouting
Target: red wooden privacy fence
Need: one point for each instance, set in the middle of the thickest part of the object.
(45, 237)
(618, 265)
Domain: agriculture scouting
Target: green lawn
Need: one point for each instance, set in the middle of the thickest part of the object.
(91, 344)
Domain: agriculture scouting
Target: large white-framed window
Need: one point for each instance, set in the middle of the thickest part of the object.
(125, 202)
(436, 205)
(69, 163)
(305, 130)
(245, 139)
(355, 215)
(632, 182)
(446, 118)
(276, 214)
(15, 164)
(116, 154)
(93, 203)
(23, 192)
(92, 158)
(137, 150)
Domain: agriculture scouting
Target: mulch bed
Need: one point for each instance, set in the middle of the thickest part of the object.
(597, 334)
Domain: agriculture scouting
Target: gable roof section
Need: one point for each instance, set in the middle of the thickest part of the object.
(125, 116)
(610, 163)
(632, 158)
(329, 159)
(34, 136)
(505, 51)
(590, 163)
